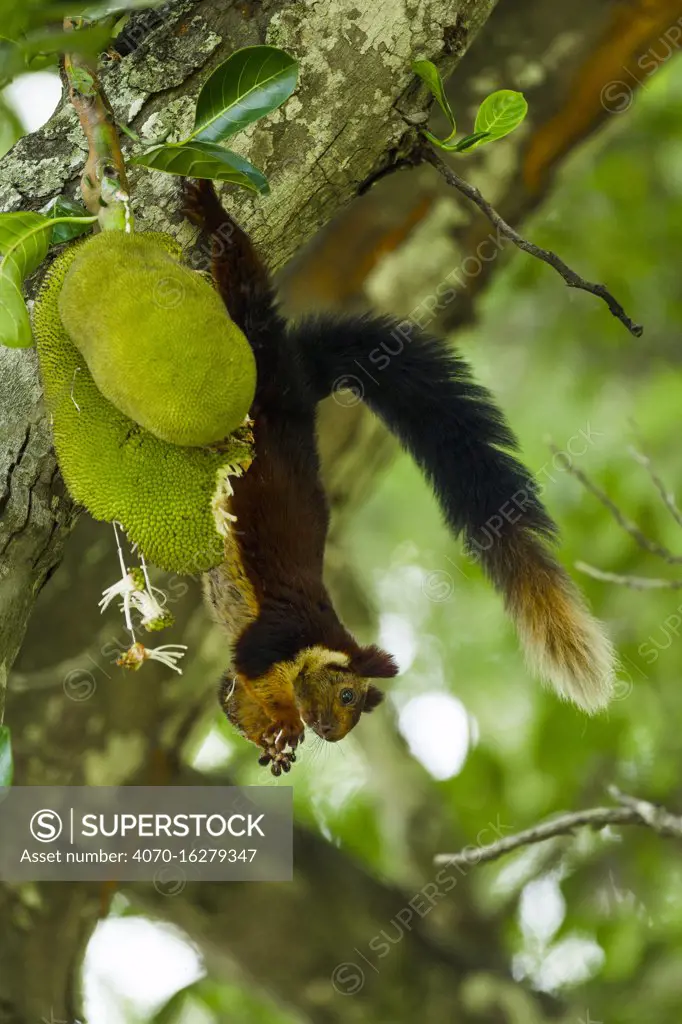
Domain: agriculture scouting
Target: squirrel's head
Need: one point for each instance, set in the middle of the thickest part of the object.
(333, 688)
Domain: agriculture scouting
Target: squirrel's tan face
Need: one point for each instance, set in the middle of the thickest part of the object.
(330, 693)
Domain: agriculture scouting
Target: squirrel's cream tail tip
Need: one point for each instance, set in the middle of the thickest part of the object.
(566, 647)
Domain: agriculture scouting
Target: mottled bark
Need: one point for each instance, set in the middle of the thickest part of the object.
(35, 513)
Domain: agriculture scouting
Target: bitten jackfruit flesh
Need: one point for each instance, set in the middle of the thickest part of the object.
(157, 339)
(169, 499)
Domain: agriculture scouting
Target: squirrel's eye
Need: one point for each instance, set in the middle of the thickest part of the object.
(347, 697)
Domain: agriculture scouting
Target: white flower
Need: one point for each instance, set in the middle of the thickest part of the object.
(151, 608)
(135, 657)
(168, 655)
(139, 594)
(124, 588)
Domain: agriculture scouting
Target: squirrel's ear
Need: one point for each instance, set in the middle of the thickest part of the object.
(373, 698)
(373, 663)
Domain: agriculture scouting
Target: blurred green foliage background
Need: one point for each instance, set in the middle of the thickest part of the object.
(565, 370)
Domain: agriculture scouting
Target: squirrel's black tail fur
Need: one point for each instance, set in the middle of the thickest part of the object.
(425, 395)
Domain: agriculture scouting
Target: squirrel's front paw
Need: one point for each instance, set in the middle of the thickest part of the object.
(287, 731)
(279, 761)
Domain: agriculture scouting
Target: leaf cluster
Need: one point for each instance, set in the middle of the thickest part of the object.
(250, 84)
(499, 114)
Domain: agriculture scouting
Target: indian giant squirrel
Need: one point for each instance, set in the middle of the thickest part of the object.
(293, 663)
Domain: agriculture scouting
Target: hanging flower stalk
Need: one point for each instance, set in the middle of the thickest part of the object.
(138, 594)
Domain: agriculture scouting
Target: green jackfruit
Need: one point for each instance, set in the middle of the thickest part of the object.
(169, 499)
(157, 339)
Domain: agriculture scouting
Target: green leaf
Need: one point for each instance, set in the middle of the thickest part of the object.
(11, 128)
(37, 49)
(74, 220)
(14, 18)
(204, 160)
(499, 114)
(88, 41)
(430, 76)
(227, 1002)
(24, 240)
(250, 84)
(13, 61)
(6, 760)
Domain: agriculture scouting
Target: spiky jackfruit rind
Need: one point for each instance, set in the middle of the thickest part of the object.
(162, 494)
(157, 339)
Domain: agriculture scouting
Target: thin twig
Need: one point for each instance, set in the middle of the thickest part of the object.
(634, 582)
(667, 496)
(631, 528)
(572, 279)
(631, 812)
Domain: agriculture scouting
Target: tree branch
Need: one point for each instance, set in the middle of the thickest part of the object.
(667, 496)
(572, 279)
(36, 514)
(631, 812)
(642, 541)
(633, 582)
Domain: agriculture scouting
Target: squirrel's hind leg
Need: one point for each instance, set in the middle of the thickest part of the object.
(241, 276)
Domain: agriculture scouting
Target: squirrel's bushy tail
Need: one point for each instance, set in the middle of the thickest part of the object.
(457, 435)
